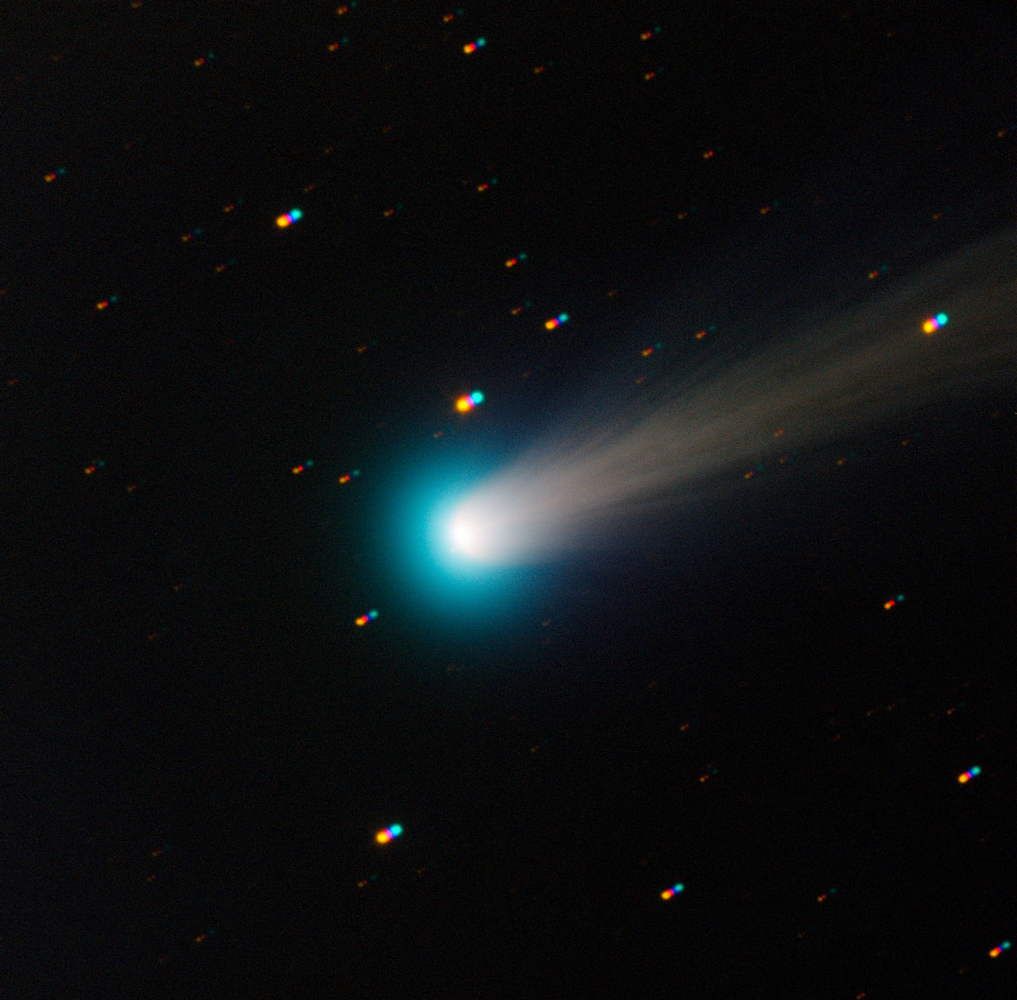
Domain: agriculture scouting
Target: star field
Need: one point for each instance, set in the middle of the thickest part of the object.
(276, 278)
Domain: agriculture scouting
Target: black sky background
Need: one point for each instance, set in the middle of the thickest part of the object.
(186, 694)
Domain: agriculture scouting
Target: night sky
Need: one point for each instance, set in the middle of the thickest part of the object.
(222, 431)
